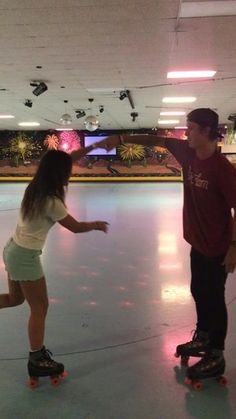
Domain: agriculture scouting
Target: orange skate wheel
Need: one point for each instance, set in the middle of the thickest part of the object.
(55, 381)
(33, 382)
(64, 374)
(222, 381)
(197, 385)
(187, 381)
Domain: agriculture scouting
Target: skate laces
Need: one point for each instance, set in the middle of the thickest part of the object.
(45, 359)
(47, 353)
(196, 341)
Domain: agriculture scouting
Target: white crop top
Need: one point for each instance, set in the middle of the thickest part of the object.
(32, 233)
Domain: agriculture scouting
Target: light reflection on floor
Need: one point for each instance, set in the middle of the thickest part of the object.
(119, 305)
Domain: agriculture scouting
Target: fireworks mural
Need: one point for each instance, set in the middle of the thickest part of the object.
(69, 141)
(51, 142)
(160, 152)
(20, 153)
(21, 148)
(129, 152)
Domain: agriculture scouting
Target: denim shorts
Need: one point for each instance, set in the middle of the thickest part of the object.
(22, 264)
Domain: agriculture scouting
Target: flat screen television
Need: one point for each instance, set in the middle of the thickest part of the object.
(91, 139)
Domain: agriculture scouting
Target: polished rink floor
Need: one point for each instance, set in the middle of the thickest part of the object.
(119, 305)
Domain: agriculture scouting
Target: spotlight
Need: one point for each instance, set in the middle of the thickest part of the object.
(123, 94)
(80, 113)
(232, 117)
(40, 87)
(28, 103)
(134, 115)
(101, 109)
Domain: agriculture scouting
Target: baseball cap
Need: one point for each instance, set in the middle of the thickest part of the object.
(205, 117)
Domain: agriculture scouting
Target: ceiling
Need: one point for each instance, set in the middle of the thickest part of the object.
(96, 48)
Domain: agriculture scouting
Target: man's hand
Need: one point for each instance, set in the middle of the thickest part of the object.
(230, 260)
(109, 143)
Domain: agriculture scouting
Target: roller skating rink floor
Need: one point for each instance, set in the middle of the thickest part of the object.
(119, 305)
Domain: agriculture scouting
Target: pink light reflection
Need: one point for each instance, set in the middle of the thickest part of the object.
(170, 266)
(102, 259)
(131, 267)
(144, 276)
(155, 301)
(2, 265)
(170, 342)
(122, 289)
(142, 284)
(93, 273)
(84, 289)
(54, 301)
(127, 304)
(83, 267)
(91, 303)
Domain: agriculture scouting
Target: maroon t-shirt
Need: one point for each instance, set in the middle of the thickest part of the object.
(209, 196)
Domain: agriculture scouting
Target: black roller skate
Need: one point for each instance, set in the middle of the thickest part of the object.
(41, 364)
(212, 365)
(197, 347)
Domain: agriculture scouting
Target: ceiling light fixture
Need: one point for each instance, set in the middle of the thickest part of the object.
(40, 87)
(126, 94)
(91, 122)
(80, 113)
(186, 99)
(66, 118)
(174, 113)
(64, 129)
(6, 116)
(28, 103)
(28, 124)
(123, 94)
(190, 74)
(168, 121)
(210, 8)
(134, 116)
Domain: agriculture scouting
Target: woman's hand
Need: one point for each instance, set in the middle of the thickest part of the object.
(100, 225)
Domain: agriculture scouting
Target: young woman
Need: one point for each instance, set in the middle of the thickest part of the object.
(42, 206)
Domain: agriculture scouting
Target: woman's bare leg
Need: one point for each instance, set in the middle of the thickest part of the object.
(15, 296)
(35, 293)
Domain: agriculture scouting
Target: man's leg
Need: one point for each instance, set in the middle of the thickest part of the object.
(208, 290)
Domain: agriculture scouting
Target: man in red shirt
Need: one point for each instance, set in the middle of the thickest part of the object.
(209, 196)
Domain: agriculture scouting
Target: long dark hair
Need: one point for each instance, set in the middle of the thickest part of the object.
(50, 180)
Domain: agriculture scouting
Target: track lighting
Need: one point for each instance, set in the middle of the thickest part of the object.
(28, 103)
(80, 113)
(123, 94)
(134, 115)
(40, 87)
